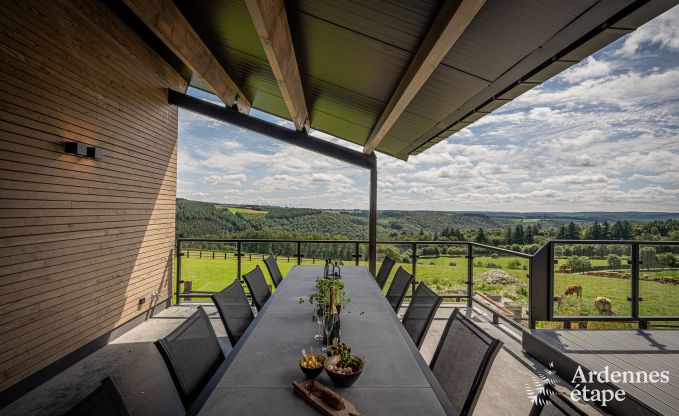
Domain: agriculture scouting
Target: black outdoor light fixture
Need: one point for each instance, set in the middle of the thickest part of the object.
(75, 148)
(94, 152)
(80, 149)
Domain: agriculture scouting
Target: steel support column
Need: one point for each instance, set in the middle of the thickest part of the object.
(372, 217)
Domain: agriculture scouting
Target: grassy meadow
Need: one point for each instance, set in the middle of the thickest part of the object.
(447, 275)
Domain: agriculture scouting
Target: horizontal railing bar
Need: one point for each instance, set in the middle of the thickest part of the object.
(503, 250)
(614, 318)
(644, 242)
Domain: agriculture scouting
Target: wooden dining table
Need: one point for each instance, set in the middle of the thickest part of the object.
(256, 378)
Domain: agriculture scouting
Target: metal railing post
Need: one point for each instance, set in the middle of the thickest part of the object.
(470, 274)
(239, 254)
(635, 263)
(179, 270)
(414, 265)
(357, 253)
(299, 252)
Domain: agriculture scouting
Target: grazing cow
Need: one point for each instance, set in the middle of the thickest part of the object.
(645, 276)
(574, 289)
(603, 305)
(675, 281)
(558, 300)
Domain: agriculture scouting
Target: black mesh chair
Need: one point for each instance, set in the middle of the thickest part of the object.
(397, 289)
(462, 361)
(554, 400)
(234, 309)
(259, 290)
(105, 400)
(383, 274)
(420, 313)
(192, 354)
(274, 271)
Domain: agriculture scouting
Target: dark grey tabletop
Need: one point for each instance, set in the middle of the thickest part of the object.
(257, 380)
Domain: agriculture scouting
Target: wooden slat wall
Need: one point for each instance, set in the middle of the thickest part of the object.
(81, 240)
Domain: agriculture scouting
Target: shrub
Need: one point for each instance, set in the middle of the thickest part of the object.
(514, 264)
(405, 259)
(452, 264)
(491, 265)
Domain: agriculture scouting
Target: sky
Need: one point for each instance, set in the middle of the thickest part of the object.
(601, 136)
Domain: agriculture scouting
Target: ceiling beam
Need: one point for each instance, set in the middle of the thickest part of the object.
(447, 28)
(271, 23)
(172, 28)
(273, 130)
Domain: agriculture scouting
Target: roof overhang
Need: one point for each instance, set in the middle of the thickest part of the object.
(396, 77)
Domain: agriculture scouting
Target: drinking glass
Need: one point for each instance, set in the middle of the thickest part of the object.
(319, 314)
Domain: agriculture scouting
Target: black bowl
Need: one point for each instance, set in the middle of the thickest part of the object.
(312, 372)
(342, 380)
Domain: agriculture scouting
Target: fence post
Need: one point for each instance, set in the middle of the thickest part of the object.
(200, 254)
(179, 269)
(299, 252)
(213, 255)
(470, 274)
(188, 287)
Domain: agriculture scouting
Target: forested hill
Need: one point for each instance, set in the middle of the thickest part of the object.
(204, 219)
(210, 220)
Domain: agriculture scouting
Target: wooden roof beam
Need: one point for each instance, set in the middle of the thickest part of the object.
(271, 23)
(172, 28)
(447, 28)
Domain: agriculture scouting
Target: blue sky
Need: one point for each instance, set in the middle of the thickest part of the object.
(601, 136)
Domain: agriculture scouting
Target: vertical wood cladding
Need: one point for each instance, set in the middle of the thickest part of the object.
(81, 240)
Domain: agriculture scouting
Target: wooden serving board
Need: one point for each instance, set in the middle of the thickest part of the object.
(313, 396)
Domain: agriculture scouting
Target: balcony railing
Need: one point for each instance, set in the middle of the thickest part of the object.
(523, 290)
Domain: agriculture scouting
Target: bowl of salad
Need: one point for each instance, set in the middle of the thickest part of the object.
(344, 369)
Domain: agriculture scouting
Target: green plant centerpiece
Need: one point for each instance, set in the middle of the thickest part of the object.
(323, 292)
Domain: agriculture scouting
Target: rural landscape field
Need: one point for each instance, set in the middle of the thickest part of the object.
(600, 270)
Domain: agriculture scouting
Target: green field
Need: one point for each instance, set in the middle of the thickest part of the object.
(447, 275)
(246, 211)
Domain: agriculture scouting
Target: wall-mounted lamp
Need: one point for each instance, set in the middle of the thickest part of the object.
(94, 152)
(75, 148)
(79, 149)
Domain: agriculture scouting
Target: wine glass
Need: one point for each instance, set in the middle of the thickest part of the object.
(319, 314)
(328, 326)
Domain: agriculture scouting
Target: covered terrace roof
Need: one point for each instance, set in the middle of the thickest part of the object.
(392, 76)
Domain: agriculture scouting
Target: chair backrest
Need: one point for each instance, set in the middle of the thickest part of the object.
(274, 271)
(420, 313)
(462, 361)
(192, 354)
(553, 401)
(259, 290)
(234, 309)
(383, 274)
(397, 289)
(105, 400)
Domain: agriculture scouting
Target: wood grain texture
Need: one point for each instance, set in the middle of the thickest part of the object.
(167, 22)
(81, 240)
(449, 25)
(271, 23)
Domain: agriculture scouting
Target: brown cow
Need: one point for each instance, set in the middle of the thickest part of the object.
(558, 300)
(603, 305)
(666, 279)
(675, 281)
(574, 289)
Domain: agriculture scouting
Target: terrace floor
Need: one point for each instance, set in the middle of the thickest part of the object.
(140, 373)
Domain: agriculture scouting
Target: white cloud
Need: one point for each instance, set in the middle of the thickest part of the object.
(229, 180)
(663, 30)
(587, 69)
